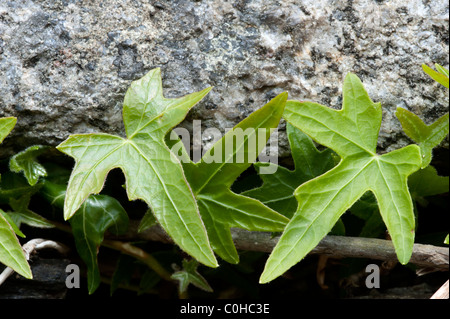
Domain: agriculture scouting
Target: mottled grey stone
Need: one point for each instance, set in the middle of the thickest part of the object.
(66, 65)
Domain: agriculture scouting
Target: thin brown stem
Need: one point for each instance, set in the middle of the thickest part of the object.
(128, 249)
(425, 256)
(138, 253)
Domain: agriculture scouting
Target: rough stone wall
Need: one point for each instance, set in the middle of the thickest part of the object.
(65, 65)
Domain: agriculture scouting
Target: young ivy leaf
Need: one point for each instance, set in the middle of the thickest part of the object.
(89, 224)
(426, 136)
(190, 275)
(212, 177)
(11, 253)
(278, 188)
(352, 133)
(26, 161)
(152, 172)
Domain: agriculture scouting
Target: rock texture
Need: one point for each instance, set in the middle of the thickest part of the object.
(65, 65)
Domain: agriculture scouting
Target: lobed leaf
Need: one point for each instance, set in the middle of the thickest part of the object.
(425, 182)
(352, 132)
(212, 177)
(190, 275)
(152, 172)
(25, 162)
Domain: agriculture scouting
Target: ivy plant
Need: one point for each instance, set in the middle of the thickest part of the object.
(189, 275)
(212, 177)
(195, 203)
(152, 172)
(352, 133)
(26, 162)
(426, 136)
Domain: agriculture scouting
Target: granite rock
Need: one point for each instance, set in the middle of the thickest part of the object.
(67, 64)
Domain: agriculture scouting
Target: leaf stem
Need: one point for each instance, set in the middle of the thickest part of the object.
(139, 254)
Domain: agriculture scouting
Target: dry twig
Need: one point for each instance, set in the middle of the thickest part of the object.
(426, 256)
(31, 246)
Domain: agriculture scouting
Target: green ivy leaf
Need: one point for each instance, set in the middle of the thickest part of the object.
(441, 76)
(190, 275)
(152, 172)
(54, 193)
(11, 253)
(13, 224)
(352, 133)
(212, 177)
(21, 214)
(425, 182)
(426, 136)
(26, 161)
(278, 188)
(89, 224)
(6, 126)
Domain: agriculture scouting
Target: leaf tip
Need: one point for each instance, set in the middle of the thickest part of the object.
(28, 274)
(264, 279)
(284, 94)
(282, 97)
(205, 91)
(213, 262)
(68, 213)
